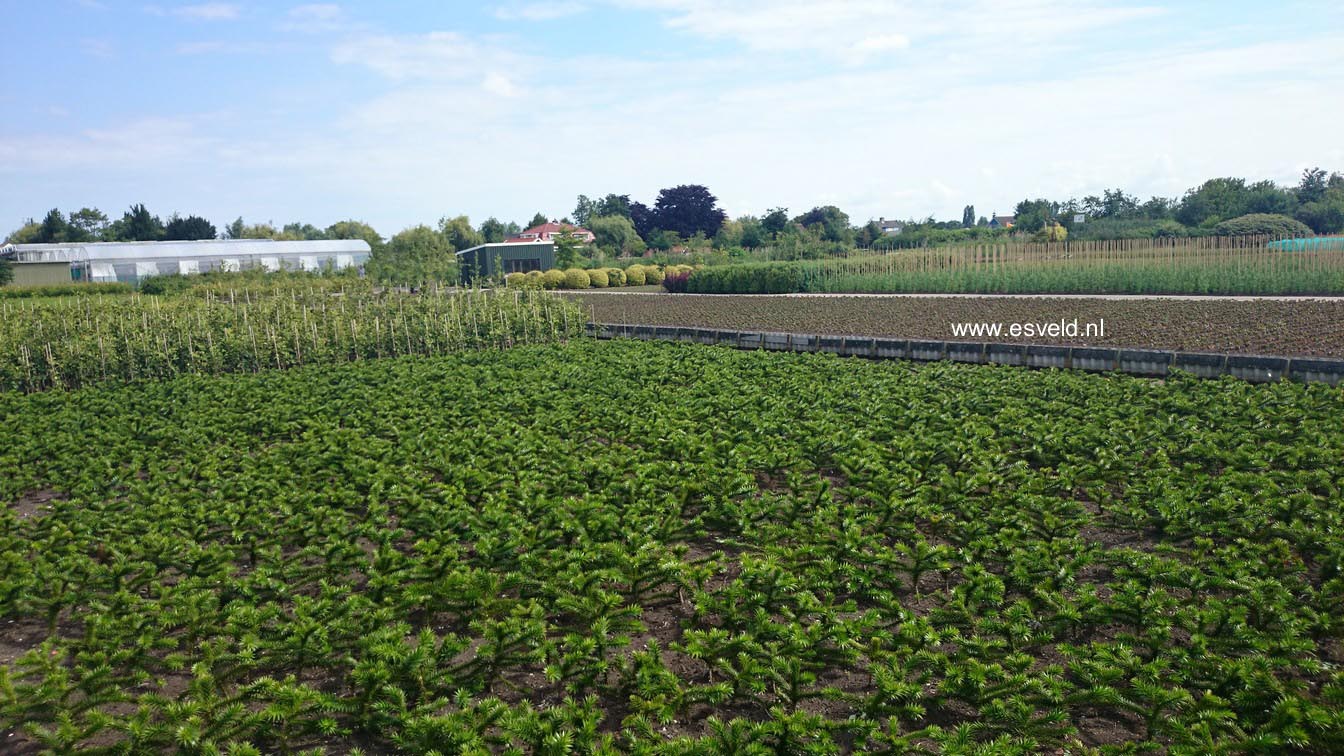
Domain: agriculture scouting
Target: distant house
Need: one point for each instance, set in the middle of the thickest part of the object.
(546, 231)
(891, 227)
(1002, 221)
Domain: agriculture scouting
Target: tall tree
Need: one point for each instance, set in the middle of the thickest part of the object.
(583, 210)
(566, 249)
(828, 222)
(776, 220)
(303, 231)
(968, 216)
(190, 228)
(235, 229)
(1313, 185)
(688, 209)
(25, 234)
(90, 221)
(643, 217)
(459, 233)
(1033, 215)
(493, 231)
(613, 204)
(539, 219)
(414, 257)
(615, 234)
(753, 233)
(138, 224)
(54, 228)
(353, 229)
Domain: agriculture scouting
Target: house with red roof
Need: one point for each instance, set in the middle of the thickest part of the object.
(546, 231)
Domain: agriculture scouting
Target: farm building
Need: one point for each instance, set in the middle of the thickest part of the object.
(131, 261)
(41, 274)
(890, 227)
(492, 260)
(547, 231)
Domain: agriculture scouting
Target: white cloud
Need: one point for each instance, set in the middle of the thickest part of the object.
(543, 11)
(841, 27)
(499, 84)
(315, 18)
(199, 12)
(437, 55)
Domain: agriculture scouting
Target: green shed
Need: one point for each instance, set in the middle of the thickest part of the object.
(495, 260)
(41, 273)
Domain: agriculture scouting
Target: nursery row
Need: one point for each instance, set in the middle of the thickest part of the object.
(1152, 266)
(75, 341)
(607, 547)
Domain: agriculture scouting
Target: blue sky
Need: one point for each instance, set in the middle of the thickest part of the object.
(399, 113)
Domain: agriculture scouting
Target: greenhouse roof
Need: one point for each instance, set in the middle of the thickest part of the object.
(137, 251)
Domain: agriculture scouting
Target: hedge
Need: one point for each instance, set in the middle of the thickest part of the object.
(759, 278)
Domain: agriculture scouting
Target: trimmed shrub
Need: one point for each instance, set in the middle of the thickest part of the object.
(553, 279)
(534, 280)
(577, 278)
(599, 278)
(1262, 224)
(515, 280)
(615, 276)
(634, 275)
(653, 274)
(676, 281)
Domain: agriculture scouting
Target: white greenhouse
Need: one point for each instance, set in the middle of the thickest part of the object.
(129, 262)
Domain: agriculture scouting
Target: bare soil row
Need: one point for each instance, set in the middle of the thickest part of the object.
(1290, 328)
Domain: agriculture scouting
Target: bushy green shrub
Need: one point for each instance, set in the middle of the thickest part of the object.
(599, 278)
(653, 274)
(577, 278)
(534, 279)
(515, 280)
(553, 279)
(1262, 224)
(764, 278)
(165, 284)
(64, 290)
(634, 275)
(615, 276)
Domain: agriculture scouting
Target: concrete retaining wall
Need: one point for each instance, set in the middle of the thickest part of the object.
(1145, 362)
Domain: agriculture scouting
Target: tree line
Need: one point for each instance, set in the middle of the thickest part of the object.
(687, 218)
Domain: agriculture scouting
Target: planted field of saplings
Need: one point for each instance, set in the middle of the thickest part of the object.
(1208, 265)
(629, 547)
(1308, 327)
(77, 341)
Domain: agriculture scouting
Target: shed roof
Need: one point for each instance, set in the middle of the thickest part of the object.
(511, 245)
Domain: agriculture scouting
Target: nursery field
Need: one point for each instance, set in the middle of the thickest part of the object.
(1208, 265)
(632, 547)
(1300, 328)
(79, 340)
